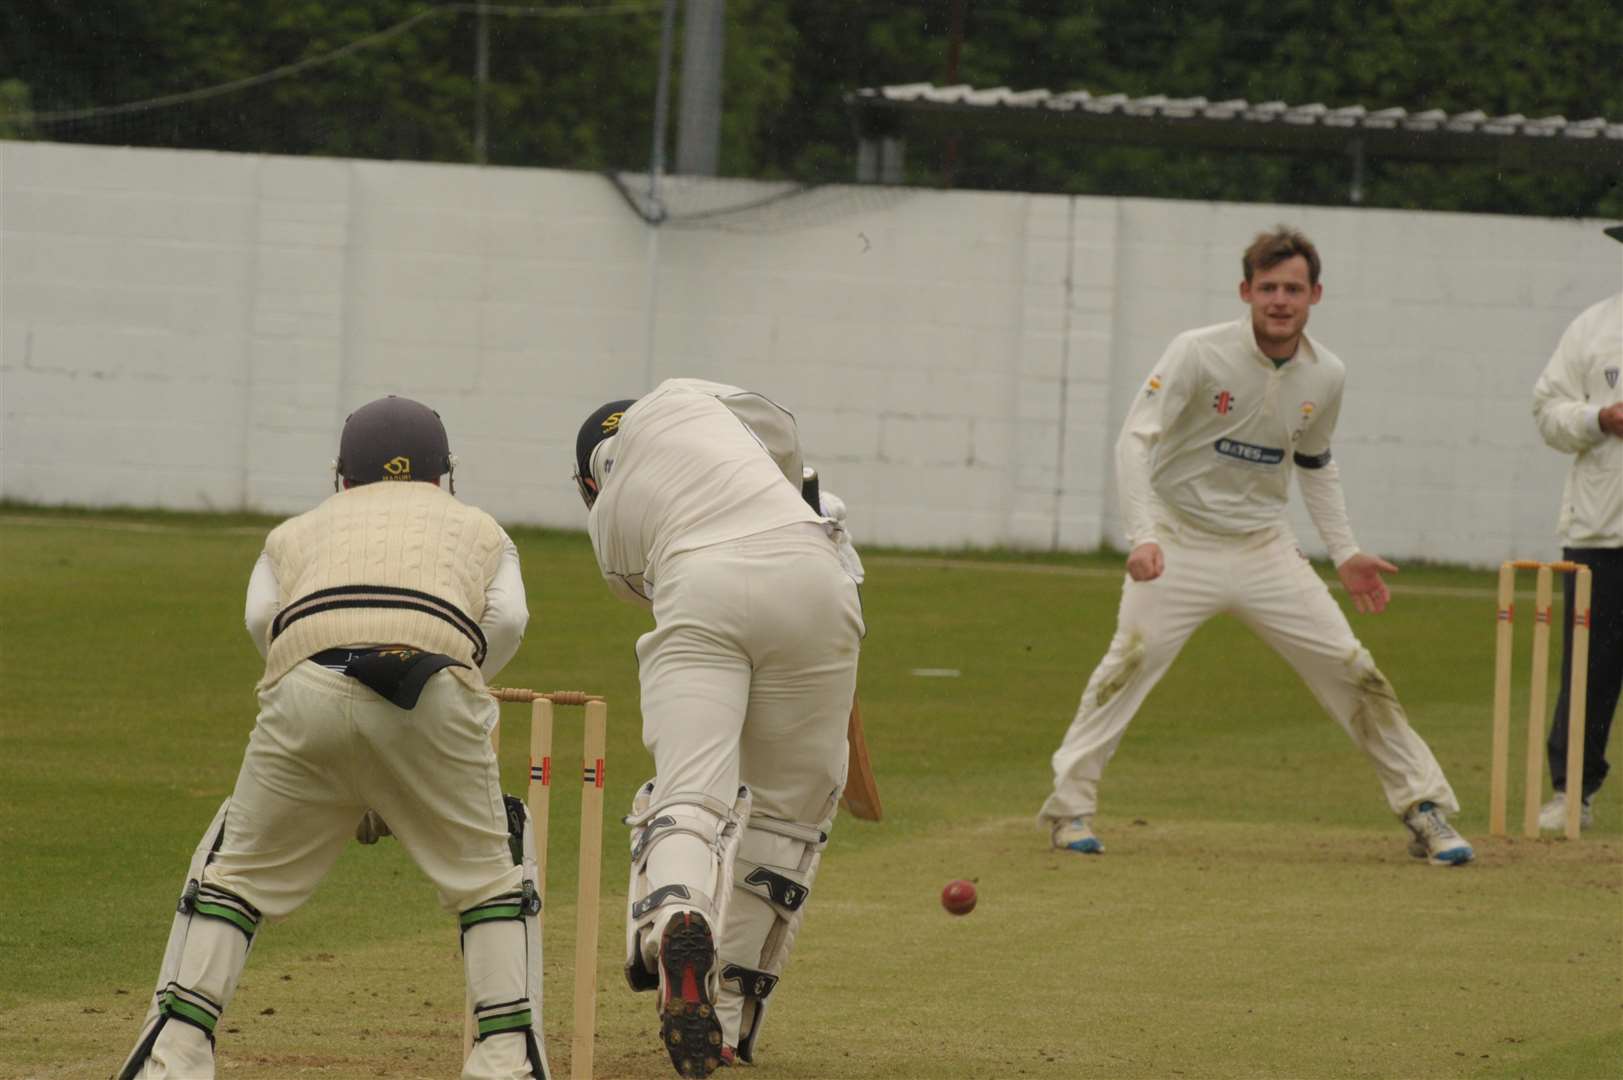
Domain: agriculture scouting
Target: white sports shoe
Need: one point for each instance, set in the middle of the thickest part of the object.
(1434, 839)
(1553, 816)
(1076, 834)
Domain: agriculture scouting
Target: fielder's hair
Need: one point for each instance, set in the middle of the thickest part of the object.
(1270, 249)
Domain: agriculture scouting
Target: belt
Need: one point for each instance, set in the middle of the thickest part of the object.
(395, 672)
(338, 659)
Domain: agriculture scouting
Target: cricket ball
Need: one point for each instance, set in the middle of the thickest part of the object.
(958, 897)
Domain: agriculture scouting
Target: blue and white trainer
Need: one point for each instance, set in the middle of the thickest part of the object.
(1434, 839)
(1076, 834)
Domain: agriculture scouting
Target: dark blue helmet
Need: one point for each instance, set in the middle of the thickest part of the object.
(602, 424)
(393, 438)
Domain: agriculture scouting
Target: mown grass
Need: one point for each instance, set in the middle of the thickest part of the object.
(1255, 915)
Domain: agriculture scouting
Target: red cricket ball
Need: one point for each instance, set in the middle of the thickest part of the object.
(958, 897)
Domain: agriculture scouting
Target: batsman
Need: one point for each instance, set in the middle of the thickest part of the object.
(695, 511)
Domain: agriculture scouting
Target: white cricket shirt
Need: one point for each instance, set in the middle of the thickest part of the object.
(695, 463)
(1583, 376)
(1216, 428)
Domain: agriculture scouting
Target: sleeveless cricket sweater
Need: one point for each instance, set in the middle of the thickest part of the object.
(383, 564)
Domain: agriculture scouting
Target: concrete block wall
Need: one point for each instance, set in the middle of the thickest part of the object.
(188, 330)
(125, 281)
(904, 349)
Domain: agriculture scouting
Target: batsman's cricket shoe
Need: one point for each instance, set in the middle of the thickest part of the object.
(1434, 839)
(1553, 816)
(1076, 834)
(688, 1025)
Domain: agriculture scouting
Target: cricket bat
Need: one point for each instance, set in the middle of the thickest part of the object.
(861, 795)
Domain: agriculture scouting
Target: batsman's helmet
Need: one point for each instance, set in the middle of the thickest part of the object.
(1615, 232)
(393, 438)
(602, 424)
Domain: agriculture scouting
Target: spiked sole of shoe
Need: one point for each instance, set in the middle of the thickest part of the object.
(688, 1025)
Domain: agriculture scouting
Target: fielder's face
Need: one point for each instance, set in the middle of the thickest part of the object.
(1280, 297)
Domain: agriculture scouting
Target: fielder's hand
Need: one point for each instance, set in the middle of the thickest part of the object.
(1145, 562)
(372, 828)
(1361, 574)
(1611, 420)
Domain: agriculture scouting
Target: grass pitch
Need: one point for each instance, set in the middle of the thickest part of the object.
(1255, 916)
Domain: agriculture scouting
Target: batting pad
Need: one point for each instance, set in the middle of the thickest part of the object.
(501, 958)
(213, 930)
(776, 864)
(699, 880)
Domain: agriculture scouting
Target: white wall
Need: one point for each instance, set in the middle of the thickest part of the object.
(188, 330)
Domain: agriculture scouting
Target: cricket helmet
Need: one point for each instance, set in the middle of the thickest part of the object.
(393, 438)
(1615, 232)
(603, 424)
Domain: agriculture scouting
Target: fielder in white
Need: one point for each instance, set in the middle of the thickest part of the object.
(380, 614)
(1578, 406)
(1203, 467)
(747, 678)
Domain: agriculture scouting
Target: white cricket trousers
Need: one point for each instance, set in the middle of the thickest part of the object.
(1263, 580)
(325, 749)
(747, 677)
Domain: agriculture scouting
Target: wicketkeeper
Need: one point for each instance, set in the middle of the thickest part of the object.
(747, 680)
(380, 614)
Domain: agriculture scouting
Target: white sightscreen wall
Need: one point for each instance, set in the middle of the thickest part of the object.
(188, 330)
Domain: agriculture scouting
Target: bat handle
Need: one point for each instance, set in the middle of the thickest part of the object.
(809, 489)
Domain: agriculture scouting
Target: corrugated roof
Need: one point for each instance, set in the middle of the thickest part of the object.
(1239, 124)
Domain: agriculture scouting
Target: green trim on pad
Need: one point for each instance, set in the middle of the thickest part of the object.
(177, 1007)
(229, 914)
(485, 914)
(495, 1025)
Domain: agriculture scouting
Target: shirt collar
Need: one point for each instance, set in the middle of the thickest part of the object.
(1305, 351)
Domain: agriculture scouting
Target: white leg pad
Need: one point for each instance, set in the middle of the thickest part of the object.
(501, 956)
(213, 930)
(776, 865)
(682, 852)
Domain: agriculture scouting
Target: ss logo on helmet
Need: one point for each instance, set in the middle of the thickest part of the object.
(611, 422)
(398, 467)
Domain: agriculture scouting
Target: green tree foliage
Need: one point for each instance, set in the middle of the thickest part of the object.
(564, 92)
(578, 92)
(14, 103)
(1455, 55)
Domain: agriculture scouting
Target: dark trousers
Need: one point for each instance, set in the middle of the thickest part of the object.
(1605, 667)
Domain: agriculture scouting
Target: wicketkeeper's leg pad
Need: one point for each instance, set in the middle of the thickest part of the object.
(501, 955)
(707, 833)
(776, 865)
(209, 940)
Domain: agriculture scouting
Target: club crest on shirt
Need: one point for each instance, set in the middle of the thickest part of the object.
(1223, 401)
(1611, 377)
(1307, 408)
(1152, 386)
